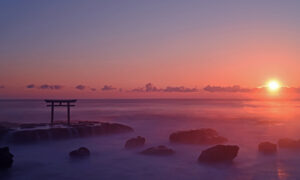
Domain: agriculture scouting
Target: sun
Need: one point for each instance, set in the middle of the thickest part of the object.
(273, 85)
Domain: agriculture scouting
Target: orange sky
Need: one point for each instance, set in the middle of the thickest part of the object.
(191, 45)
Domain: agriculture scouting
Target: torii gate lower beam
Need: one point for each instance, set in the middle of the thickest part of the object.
(62, 103)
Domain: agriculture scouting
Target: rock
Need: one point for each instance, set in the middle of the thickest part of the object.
(110, 128)
(267, 148)
(80, 153)
(219, 153)
(24, 136)
(158, 151)
(6, 158)
(60, 131)
(135, 142)
(32, 125)
(200, 136)
(289, 143)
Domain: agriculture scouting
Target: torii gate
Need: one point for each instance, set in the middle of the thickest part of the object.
(59, 102)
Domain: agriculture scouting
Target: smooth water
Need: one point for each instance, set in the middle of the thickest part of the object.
(244, 122)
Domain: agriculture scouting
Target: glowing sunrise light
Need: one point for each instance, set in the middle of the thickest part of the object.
(273, 86)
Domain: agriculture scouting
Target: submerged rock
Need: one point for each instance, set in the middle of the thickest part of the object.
(6, 158)
(158, 151)
(267, 148)
(80, 153)
(219, 153)
(289, 143)
(58, 132)
(199, 136)
(135, 142)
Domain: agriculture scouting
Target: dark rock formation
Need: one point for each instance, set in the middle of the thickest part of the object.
(32, 125)
(219, 153)
(135, 142)
(199, 136)
(267, 148)
(289, 143)
(80, 153)
(158, 151)
(58, 132)
(6, 158)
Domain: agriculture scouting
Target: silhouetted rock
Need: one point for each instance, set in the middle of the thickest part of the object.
(32, 125)
(24, 136)
(60, 131)
(158, 151)
(6, 158)
(135, 142)
(80, 153)
(219, 153)
(199, 136)
(288, 143)
(267, 148)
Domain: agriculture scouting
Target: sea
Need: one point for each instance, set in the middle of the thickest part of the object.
(245, 122)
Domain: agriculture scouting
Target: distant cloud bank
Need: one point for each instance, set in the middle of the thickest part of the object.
(45, 86)
(149, 87)
(232, 89)
(108, 88)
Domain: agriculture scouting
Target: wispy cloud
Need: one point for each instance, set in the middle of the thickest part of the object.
(149, 87)
(44, 87)
(108, 88)
(51, 87)
(231, 89)
(2, 86)
(180, 89)
(80, 87)
(30, 86)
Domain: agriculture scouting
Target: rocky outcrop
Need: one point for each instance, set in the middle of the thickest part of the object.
(158, 151)
(267, 148)
(80, 153)
(32, 125)
(200, 136)
(135, 142)
(219, 153)
(289, 143)
(59, 132)
(6, 158)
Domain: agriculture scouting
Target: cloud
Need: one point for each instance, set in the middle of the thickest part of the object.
(180, 89)
(30, 86)
(93, 89)
(2, 86)
(108, 88)
(149, 87)
(231, 89)
(51, 87)
(80, 87)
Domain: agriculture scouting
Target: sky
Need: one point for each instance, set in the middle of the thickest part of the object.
(101, 48)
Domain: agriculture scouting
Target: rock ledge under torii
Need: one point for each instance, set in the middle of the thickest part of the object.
(30, 133)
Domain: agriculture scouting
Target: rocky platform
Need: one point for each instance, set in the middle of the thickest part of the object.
(29, 133)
